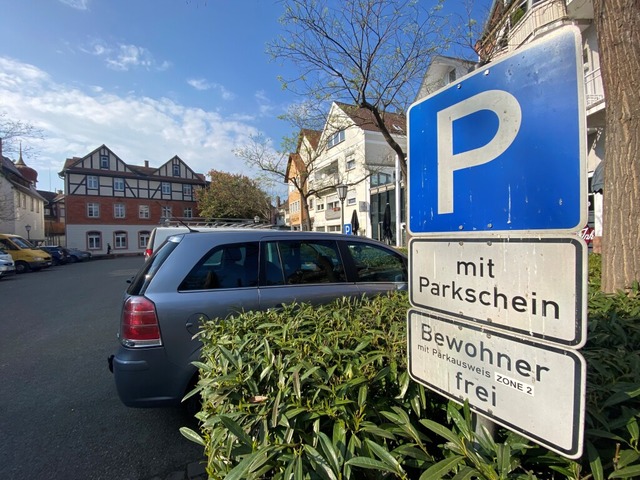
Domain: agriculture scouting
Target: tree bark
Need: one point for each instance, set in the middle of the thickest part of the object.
(618, 26)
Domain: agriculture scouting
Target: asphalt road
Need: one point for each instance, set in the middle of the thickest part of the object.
(60, 416)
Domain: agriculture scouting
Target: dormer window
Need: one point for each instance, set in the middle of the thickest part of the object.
(104, 161)
(335, 139)
(452, 76)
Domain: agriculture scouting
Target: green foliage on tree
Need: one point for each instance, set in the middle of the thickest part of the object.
(230, 195)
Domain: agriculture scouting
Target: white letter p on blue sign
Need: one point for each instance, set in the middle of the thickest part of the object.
(506, 108)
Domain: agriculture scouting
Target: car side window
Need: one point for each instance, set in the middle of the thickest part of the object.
(7, 244)
(225, 266)
(295, 262)
(377, 264)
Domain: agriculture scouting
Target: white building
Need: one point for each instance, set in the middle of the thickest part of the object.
(353, 152)
(21, 206)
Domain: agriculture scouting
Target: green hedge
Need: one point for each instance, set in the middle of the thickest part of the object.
(323, 392)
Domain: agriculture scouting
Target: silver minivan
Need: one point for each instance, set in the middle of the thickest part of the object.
(207, 275)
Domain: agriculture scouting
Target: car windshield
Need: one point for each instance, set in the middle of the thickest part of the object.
(21, 242)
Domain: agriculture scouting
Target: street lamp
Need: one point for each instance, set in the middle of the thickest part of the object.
(28, 229)
(342, 194)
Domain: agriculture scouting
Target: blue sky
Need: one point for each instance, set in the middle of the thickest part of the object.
(149, 78)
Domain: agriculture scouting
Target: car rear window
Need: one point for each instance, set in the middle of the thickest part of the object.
(377, 264)
(143, 277)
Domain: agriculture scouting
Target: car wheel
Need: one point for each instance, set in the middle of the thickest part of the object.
(22, 267)
(73, 259)
(55, 262)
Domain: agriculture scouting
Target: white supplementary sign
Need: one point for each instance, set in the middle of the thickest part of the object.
(535, 389)
(528, 286)
(503, 148)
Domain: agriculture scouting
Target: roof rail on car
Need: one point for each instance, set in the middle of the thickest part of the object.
(216, 222)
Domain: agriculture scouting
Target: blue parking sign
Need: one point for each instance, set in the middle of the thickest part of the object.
(503, 148)
(347, 229)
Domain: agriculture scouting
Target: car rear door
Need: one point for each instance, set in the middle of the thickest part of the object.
(202, 296)
(303, 270)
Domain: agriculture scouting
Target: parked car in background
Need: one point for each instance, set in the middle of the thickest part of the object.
(208, 275)
(7, 266)
(58, 254)
(77, 255)
(24, 254)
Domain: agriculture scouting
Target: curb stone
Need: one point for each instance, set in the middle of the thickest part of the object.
(193, 471)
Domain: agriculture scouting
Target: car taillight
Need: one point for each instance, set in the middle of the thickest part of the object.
(139, 326)
(148, 252)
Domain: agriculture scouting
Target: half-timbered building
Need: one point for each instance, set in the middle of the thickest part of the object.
(113, 206)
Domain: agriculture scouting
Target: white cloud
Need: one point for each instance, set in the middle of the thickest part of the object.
(264, 103)
(75, 121)
(202, 84)
(124, 57)
(77, 4)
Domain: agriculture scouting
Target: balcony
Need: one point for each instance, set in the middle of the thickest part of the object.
(332, 214)
(593, 90)
(520, 24)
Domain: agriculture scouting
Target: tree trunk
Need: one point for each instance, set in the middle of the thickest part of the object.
(618, 25)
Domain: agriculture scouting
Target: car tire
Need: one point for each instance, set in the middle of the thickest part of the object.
(22, 267)
(73, 259)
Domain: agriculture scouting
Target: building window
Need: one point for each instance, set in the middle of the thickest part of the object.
(92, 182)
(176, 169)
(93, 210)
(335, 139)
(120, 240)
(335, 205)
(351, 164)
(188, 212)
(118, 210)
(33, 201)
(143, 239)
(311, 204)
(187, 190)
(94, 240)
(381, 179)
(333, 228)
(118, 184)
(166, 212)
(166, 188)
(143, 211)
(320, 206)
(104, 161)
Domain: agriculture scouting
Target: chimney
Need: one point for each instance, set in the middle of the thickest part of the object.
(146, 163)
